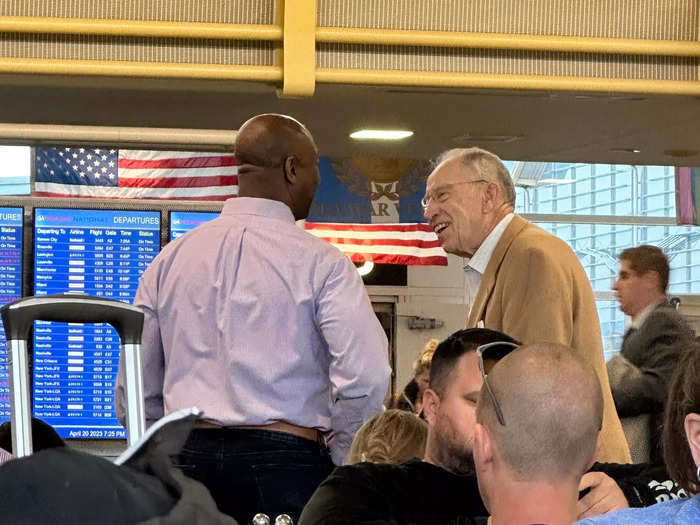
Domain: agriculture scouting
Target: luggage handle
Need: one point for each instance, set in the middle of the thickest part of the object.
(18, 316)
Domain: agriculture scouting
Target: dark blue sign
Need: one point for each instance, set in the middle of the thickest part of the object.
(183, 221)
(10, 287)
(101, 253)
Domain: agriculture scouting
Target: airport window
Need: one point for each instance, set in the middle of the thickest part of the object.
(601, 209)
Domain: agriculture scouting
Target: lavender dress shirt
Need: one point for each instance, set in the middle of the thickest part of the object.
(5, 456)
(253, 320)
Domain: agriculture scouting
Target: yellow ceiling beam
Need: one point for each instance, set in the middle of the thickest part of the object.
(299, 47)
(454, 39)
(517, 82)
(139, 69)
(138, 28)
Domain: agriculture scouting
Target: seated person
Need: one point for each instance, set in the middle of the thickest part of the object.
(411, 398)
(442, 488)
(537, 422)
(43, 436)
(393, 436)
(681, 446)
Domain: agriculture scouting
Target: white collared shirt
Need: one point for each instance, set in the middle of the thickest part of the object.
(638, 320)
(475, 267)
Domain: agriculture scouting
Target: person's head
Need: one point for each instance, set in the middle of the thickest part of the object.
(449, 402)
(421, 368)
(392, 436)
(642, 279)
(466, 195)
(277, 159)
(681, 434)
(43, 436)
(552, 411)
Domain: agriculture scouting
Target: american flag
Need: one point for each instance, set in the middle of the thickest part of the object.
(398, 243)
(134, 174)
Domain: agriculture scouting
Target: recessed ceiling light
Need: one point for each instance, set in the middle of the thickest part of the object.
(381, 134)
(476, 139)
(366, 268)
(680, 153)
(625, 150)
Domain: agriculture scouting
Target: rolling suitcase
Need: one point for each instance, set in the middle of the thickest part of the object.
(18, 318)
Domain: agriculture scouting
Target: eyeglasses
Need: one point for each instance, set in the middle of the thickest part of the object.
(442, 193)
(496, 351)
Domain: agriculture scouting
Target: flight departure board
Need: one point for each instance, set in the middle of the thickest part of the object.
(183, 221)
(10, 287)
(96, 252)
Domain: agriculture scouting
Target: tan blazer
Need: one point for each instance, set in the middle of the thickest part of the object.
(535, 289)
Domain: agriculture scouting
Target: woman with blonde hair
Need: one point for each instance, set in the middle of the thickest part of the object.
(393, 436)
(411, 398)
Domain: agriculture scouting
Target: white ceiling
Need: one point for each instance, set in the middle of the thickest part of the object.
(517, 125)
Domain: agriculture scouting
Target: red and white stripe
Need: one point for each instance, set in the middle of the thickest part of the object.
(407, 243)
(178, 174)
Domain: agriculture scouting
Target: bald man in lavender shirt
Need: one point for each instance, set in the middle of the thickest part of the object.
(265, 328)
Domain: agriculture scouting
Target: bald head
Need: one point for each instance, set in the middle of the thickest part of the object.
(277, 159)
(553, 410)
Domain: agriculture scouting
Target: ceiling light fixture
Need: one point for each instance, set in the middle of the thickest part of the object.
(381, 134)
(625, 150)
(366, 268)
(680, 153)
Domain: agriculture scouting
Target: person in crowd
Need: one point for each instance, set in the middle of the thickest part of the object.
(393, 436)
(537, 423)
(518, 278)
(265, 328)
(411, 398)
(653, 342)
(442, 488)
(43, 436)
(681, 450)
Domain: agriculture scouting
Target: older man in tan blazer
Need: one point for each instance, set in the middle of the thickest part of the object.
(520, 279)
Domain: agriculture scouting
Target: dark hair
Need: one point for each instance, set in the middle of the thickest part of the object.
(683, 398)
(645, 259)
(43, 436)
(449, 351)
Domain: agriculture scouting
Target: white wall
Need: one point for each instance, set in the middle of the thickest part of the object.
(432, 291)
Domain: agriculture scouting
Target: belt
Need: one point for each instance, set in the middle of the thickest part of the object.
(278, 426)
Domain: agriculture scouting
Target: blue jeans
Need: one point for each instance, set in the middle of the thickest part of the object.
(249, 471)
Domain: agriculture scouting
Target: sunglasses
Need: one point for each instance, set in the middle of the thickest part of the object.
(493, 352)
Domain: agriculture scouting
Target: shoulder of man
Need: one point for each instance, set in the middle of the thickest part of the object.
(643, 484)
(353, 493)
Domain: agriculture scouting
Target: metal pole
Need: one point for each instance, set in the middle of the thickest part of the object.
(21, 409)
(135, 413)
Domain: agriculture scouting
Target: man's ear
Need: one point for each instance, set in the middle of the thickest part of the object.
(483, 447)
(431, 405)
(289, 169)
(692, 432)
(490, 197)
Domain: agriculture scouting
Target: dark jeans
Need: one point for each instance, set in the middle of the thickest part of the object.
(249, 471)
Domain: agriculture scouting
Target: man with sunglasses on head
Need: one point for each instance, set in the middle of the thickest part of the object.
(537, 423)
(519, 278)
(442, 487)
(267, 329)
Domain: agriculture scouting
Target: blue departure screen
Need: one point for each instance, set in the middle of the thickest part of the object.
(101, 253)
(10, 287)
(183, 221)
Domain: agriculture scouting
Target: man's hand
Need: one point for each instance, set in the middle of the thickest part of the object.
(604, 495)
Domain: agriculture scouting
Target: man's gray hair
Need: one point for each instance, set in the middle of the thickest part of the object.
(487, 165)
